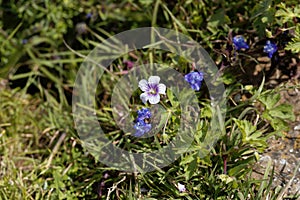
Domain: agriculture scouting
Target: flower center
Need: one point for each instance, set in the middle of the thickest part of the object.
(152, 91)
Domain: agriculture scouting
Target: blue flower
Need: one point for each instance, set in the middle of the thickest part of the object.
(151, 88)
(239, 42)
(144, 113)
(89, 15)
(24, 41)
(141, 128)
(270, 48)
(194, 79)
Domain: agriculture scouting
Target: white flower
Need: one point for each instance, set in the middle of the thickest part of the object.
(151, 89)
(181, 187)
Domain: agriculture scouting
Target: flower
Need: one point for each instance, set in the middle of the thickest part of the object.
(129, 64)
(144, 113)
(141, 127)
(81, 28)
(151, 89)
(24, 41)
(181, 187)
(194, 79)
(270, 48)
(239, 42)
(89, 15)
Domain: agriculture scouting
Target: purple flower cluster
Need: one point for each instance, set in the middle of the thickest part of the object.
(141, 126)
(270, 48)
(239, 42)
(194, 79)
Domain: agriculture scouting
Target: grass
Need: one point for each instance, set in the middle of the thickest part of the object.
(41, 153)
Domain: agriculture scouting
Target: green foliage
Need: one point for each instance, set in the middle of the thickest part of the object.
(263, 15)
(43, 44)
(290, 16)
(294, 45)
(276, 114)
(287, 14)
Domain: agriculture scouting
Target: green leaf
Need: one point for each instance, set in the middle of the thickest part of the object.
(287, 14)
(217, 19)
(277, 123)
(283, 111)
(228, 78)
(235, 171)
(269, 100)
(262, 15)
(191, 169)
(225, 178)
(172, 98)
(245, 127)
(294, 45)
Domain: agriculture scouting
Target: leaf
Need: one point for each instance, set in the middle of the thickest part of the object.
(262, 15)
(225, 178)
(283, 111)
(245, 127)
(287, 14)
(294, 45)
(237, 170)
(172, 98)
(269, 100)
(191, 169)
(228, 78)
(217, 19)
(277, 123)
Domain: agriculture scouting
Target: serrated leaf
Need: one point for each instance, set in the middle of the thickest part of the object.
(283, 111)
(287, 14)
(293, 46)
(269, 100)
(245, 127)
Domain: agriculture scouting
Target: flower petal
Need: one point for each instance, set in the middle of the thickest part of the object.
(154, 99)
(153, 80)
(162, 88)
(144, 97)
(144, 113)
(181, 187)
(143, 85)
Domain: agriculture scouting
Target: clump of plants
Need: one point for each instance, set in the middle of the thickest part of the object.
(42, 46)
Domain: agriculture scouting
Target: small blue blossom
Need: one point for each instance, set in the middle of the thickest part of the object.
(151, 88)
(239, 42)
(24, 41)
(89, 15)
(270, 48)
(144, 113)
(194, 79)
(141, 128)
